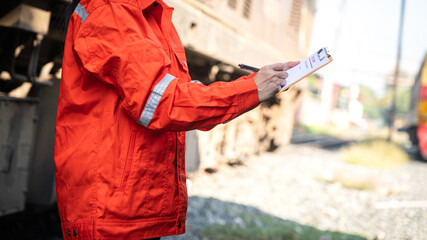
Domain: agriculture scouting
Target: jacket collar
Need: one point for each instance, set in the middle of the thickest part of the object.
(146, 3)
(167, 11)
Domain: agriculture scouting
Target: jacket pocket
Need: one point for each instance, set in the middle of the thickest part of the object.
(166, 58)
(180, 55)
(127, 163)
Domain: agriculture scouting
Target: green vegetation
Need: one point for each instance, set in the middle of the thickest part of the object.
(263, 227)
(377, 108)
(316, 129)
(352, 181)
(374, 108)
(327, 130)
(376, 154)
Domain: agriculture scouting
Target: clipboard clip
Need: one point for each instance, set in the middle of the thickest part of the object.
(322, 53)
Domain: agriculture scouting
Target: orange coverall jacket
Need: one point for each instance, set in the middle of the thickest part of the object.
(125, 98)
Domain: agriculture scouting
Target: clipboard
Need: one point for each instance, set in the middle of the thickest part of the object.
(306, 67)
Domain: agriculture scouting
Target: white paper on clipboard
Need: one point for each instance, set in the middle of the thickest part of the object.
(306, 67)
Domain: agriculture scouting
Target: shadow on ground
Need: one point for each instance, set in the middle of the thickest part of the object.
(208, 219)
(213, 219)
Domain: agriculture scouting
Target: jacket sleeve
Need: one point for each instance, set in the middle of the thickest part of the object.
(119, 53)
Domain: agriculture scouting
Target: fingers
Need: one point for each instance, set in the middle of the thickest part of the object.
(282, 75)
(278, 66)
(282, 83)
(279, 82)
(276, 69)
(291, 64)
(283, 66)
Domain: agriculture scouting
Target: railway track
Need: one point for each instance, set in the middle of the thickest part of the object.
(319, 140)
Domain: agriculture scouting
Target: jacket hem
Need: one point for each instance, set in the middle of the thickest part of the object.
(129, 230)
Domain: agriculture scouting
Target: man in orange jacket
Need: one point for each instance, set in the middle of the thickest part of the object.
(126, 99)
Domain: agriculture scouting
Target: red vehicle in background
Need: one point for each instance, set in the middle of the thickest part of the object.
(417, 121)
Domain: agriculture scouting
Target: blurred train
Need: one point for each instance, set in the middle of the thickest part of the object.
(417, 117)
(217, 35)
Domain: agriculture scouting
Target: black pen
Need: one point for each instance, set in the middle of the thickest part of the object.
(249, 68)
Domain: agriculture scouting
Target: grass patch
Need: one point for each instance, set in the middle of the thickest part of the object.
(363, 183)
(264, 227)
(375, 154)
(327, 130)
(316, 129)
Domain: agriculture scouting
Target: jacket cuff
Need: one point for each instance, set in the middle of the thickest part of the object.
(247, 92)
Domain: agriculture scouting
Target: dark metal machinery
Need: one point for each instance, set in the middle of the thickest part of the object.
(31, 42)
(31, 39)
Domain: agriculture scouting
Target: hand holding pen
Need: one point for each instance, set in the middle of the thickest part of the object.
(270, 78)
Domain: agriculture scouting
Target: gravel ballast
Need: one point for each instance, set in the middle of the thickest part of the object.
(297, 184)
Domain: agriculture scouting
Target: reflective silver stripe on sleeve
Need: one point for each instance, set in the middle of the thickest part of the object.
(154, 99)
(81, 12)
